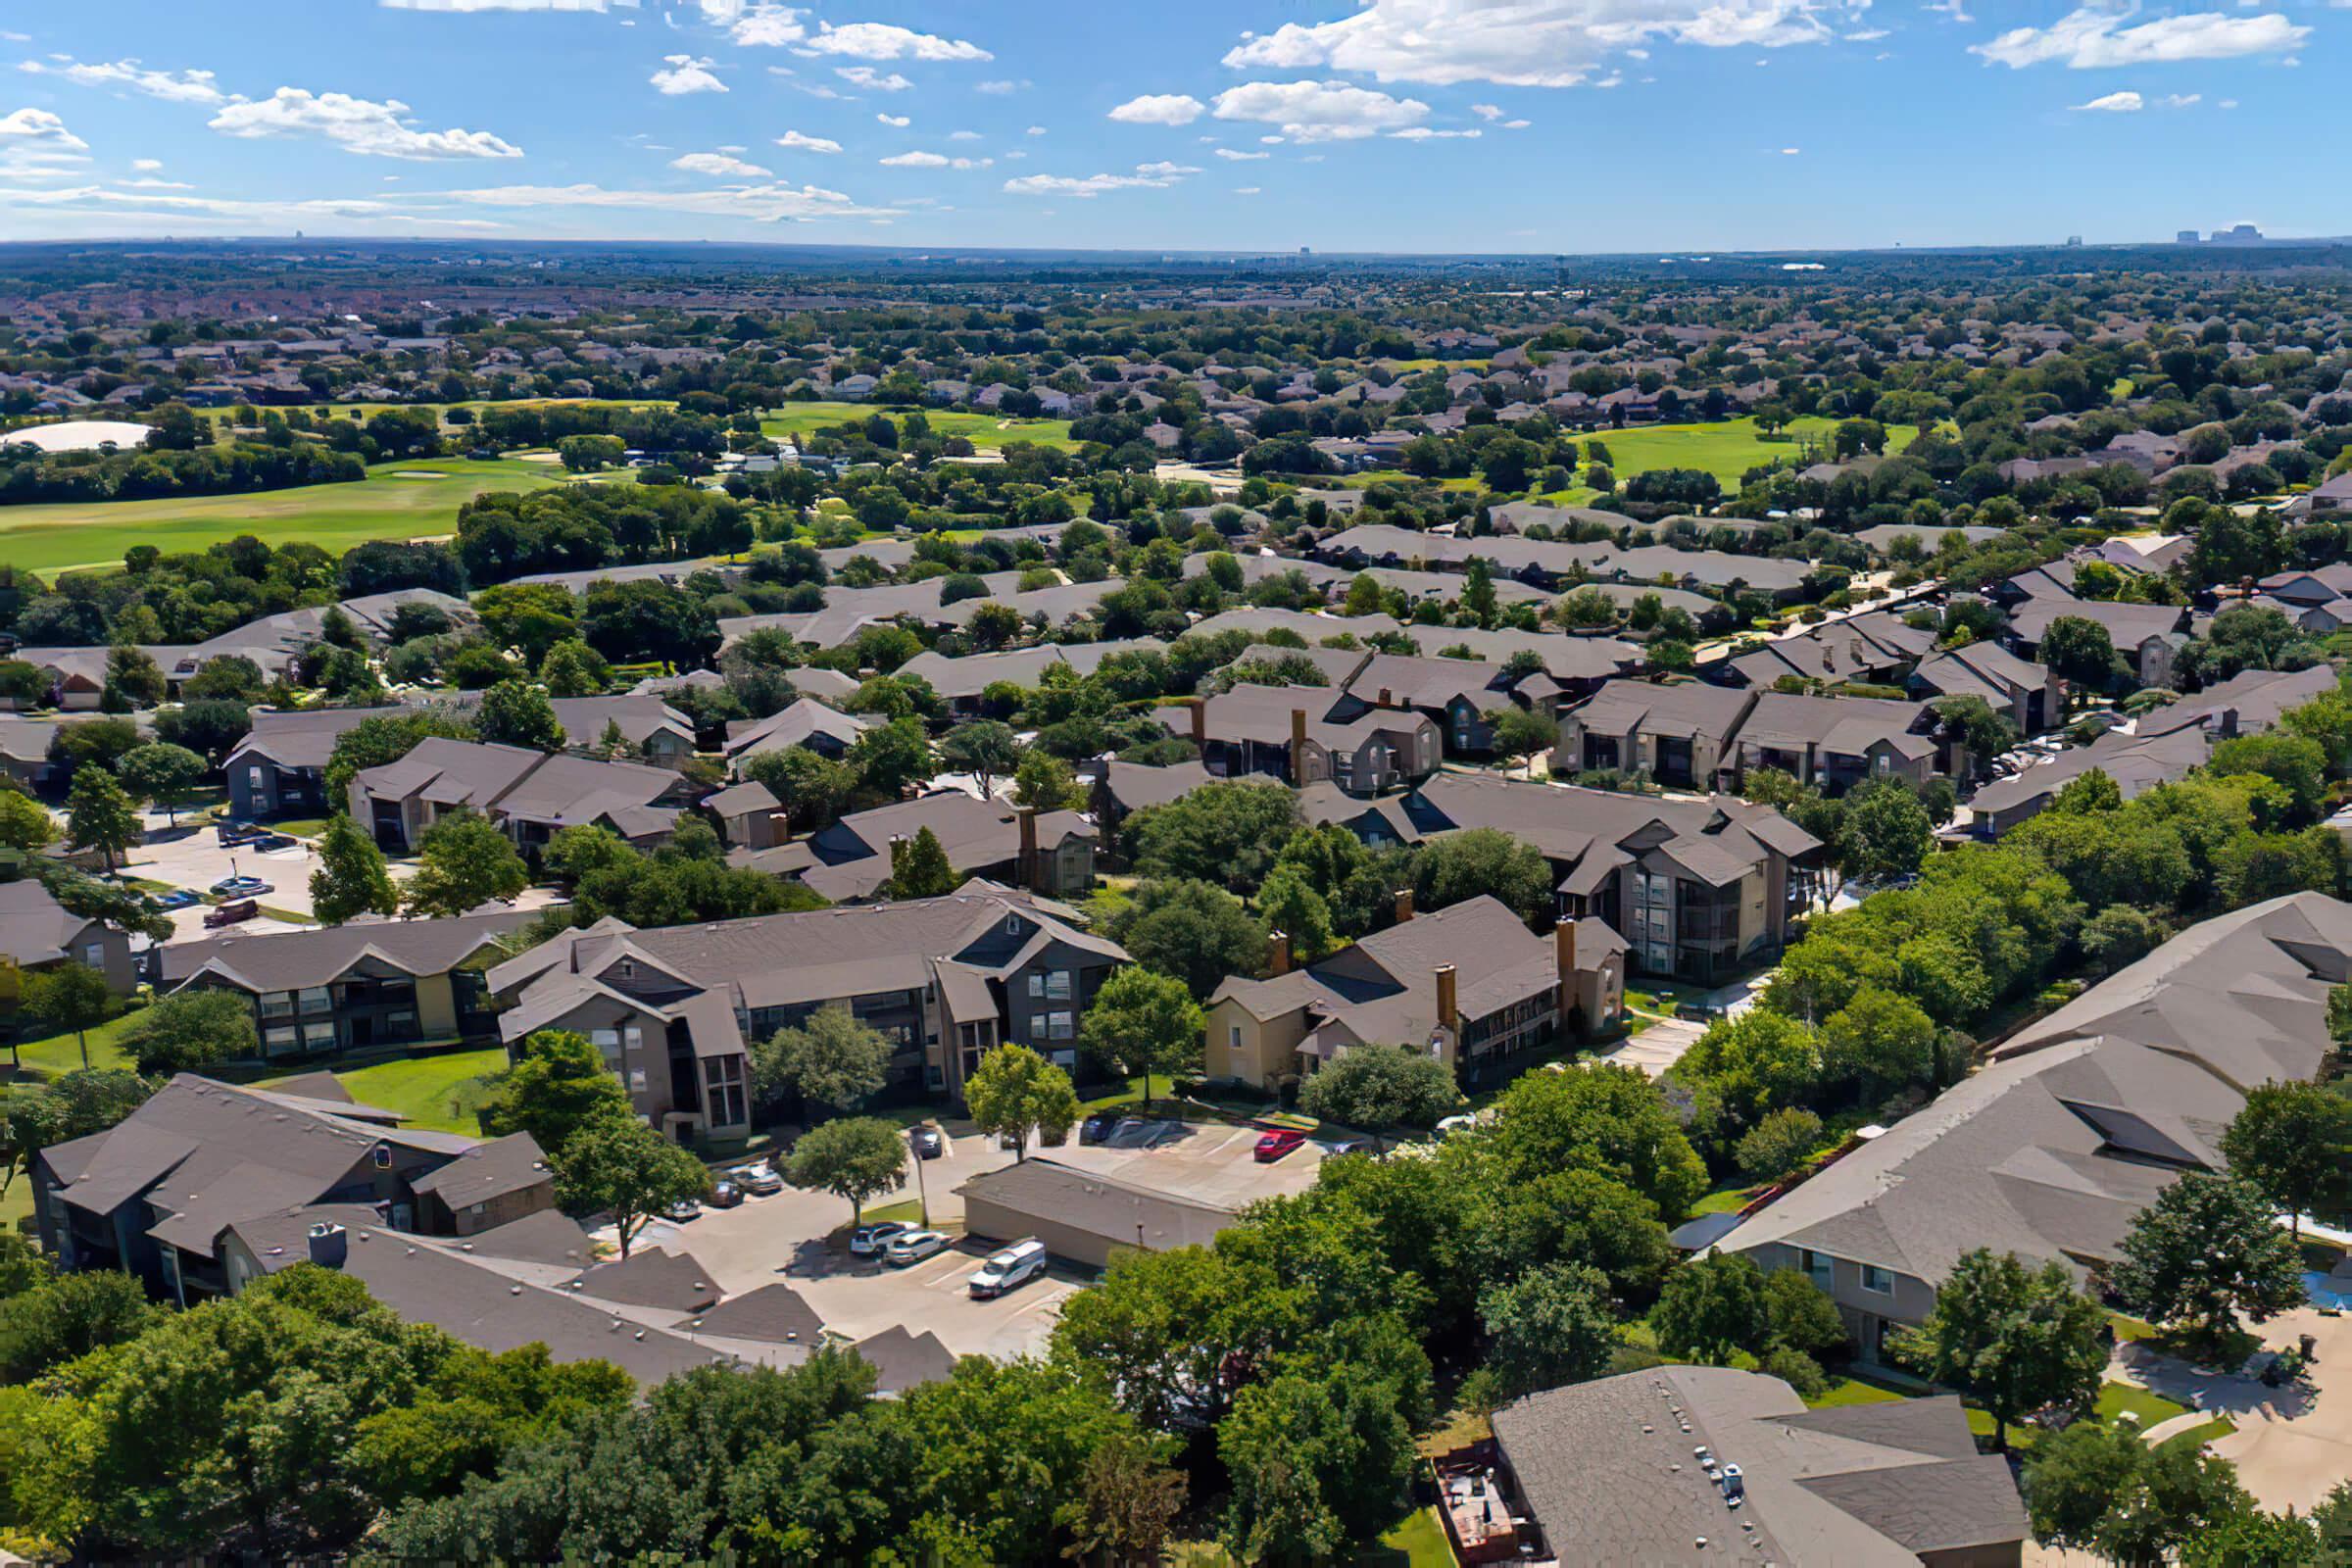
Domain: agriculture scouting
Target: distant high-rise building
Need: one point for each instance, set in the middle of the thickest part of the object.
(2074, 241)
(1306, 250)
(2238, 234)
(2187, 236)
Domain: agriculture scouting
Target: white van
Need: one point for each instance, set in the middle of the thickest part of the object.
(1013, 1266)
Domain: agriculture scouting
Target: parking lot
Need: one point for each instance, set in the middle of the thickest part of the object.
(790, 1236)
(194, 859)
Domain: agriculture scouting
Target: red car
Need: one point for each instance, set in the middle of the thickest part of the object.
(1274, 1144)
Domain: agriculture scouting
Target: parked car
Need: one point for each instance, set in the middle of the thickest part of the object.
(913, 1248)
(1097, 1127)
(230, 914)
(273, 840)
(1278, 1143)
(684, 1209)
(1008, 1269)
(176, 899)
(1346, 1145)
(1455, 1124)
(759, 1180)
(927, 1142)
(232, 834)
(870, 1241)
(240, 887)
(725, 1194)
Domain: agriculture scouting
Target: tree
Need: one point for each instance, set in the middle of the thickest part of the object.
(1553, 1325)
(572, 669)
(1887, 831)
(66, 1317)
(1291, 906)
(1317, 1460)
(857, 1158)
(1484, 860)
(2294, 1143)
(192, 1029)
(1226, 833)
(161, 773)
(23, 825)
(351, 879)
(888, 758)
(1016, 1092)
(1521, 732)
(832, 1059)
(1192, 930)
(619, 1167)
(988, 750)
(1045, 782)
(2081, 650)
(2206, 1250)
(1129, 1496)
(464, 862)
(516, 712)
(1375, 1086)
(100, 816)
(2017, 1339)
(1753, 1061)
(560, 1083)
(2074, 1476)
(919, 867)
(1879, 1037)
(70, 996)
(1777, 1147)
(1605, 1119)
(1799, 1315)
(1143, 1021)
(1711, 1308)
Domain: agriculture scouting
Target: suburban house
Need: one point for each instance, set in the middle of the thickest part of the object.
(28, 752)
(826, 731)
(280, 767)
(653, 729)
(1705, 1463)
(2146, 635)
(36, 932)
(2077, 1123)
(530, 794)
(1122, 789)
(1289, 732)
(1876, 647)
(353, 987)
(1469, 983)
(2029, 695)
(1835, 743)
(947, 980)
(2162, 745)
(1454, 694)
(960, 682)
(1678, 735)
(750, 816)
(1083, 1215)
(209, 1187)
(1703, 888)
(1050, 852)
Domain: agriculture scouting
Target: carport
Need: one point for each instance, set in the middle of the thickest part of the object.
(1080, 1216)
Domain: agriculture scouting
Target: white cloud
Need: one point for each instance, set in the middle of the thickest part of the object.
(1087, 188)
(1867, 36)
(179, 87)
(1487, 111)
(963, 135)
(2088, 40)
(768, 204)
(1160, 109)
(902, 121)
(882, 41)
(1791, 152)
(1517, 125)
(2114, 103)
(926, 160)
(1246, 190)
(2183, 100)
(1319, 111)
(355, 125)
(873, 80)
(1165, 171)
(1033, 130)
(801, 143)
(2226, 103)
(999, 89)
(149, 182)
(1425, 133)
(684, 73)
(1523, 43)
(146, 166)
(34, 145)
(768, 27)
(718, 163)
(1232, 157)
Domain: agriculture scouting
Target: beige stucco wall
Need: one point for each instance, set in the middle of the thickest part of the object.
(1266, 1049)
(437, 1007)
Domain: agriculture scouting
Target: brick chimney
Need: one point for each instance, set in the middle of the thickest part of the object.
(1449, 1012)
(1199, 712)
(1025, 862)
(1298, 748)
(1388, 699)
(1279, 962)
(1405, 904)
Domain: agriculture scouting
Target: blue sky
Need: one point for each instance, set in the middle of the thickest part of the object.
(1578, 125)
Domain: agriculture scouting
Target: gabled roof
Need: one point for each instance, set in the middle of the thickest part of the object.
(1683, 710)
(290, 961)
(35, 928)
(793, 725)
(301, 737)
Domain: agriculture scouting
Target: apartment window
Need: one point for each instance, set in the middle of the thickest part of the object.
(637, 1080)
(277, 1004)
(1049, 985)
(94, 954)
(1876, 1280)
(314, 999)
(1818, 1267)
(1233, 1037)
(253, 778)
(319, 1036)
(1057, 1025)
(279, 1042)
(633, 1038)
(606, 1040)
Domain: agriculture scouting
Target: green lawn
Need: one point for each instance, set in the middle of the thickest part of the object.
(2196, 1437)
(60, 1053)
(332, 516)
(432, 1092)
(1724, 1201)
(981, 430)
(2152, 1408)
(1854, 1390)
